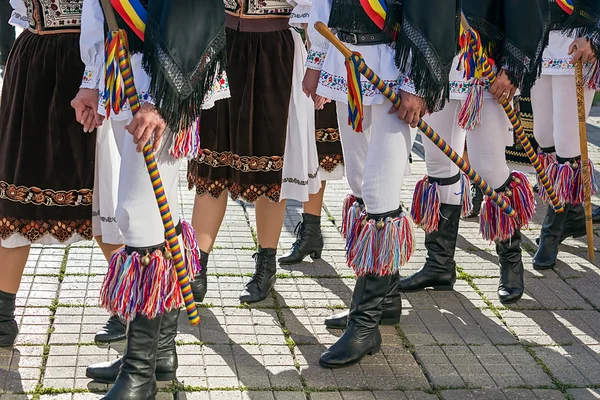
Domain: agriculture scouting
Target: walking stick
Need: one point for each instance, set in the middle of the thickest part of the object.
(422, 125)
(515, 120)
(130, 91)
(585, 166)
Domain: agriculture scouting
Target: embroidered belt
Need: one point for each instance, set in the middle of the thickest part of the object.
(363, 39)
(257, 24)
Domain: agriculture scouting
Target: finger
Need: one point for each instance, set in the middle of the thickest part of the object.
(146, 135)
(88, 125)
(415, 121)
(402, 113)
(132, 127)
(513, 93)
(99, 119)
(585, 58)
(158, 134)
(572, 48)
(306, 92)
(393, 110)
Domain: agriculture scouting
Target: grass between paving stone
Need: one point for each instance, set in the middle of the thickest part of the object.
(39, 389)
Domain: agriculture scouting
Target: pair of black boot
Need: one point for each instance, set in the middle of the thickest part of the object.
(166, 355)
(439, 271)
(556, 228)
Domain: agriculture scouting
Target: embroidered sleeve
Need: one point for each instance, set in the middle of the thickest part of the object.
(318, 44)
(407, 85)
(92, 43)
(19, 14)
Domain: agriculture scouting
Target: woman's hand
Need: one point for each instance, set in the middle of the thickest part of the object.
(85, 104)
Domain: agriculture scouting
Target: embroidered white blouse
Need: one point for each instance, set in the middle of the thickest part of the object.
(556, 56)
(18, 16)
(327, 59)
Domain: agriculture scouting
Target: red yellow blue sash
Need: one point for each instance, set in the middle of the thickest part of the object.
(133, 13)
(377, 12)
(566, 5)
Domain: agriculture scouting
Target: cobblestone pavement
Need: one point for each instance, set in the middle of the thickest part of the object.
(449, 345)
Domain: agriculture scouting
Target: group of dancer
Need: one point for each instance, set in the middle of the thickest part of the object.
(230, 87)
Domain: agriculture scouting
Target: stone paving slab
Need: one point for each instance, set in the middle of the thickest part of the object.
(461, 344)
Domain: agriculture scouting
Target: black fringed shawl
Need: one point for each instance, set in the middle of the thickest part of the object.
(585, 22)
(184, 50)
(425, 45)
(514, 34)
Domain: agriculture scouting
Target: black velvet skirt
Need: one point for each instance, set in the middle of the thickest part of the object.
(243, 138)
(46, 160)
(327, 135)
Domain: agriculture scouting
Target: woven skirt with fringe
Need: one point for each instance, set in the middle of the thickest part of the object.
(329, 145)
(243, 138)
(47, 161)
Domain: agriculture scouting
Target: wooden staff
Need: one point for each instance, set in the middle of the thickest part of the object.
(585, 165)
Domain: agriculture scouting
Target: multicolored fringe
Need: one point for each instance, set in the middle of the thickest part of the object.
(465, 192)
(469, 116)
(130, 289)
(567, 181)
(186, 143)
(351, 213)
(592, 77)
(496, 225)
(381, 247)
(191, 251)
(425, 209)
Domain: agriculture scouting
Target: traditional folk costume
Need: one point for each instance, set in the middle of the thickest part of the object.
(47, 161)
(414, 57)
(141, 284)
(260, 142)
(309, 239)
(554, 101)
(516, 46)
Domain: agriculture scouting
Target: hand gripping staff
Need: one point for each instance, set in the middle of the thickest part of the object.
(489, 74)
(585, 165)
(116, 49)
(357, 60)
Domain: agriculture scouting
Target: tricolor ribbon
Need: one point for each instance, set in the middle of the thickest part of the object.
(566, 5)
(133, 13)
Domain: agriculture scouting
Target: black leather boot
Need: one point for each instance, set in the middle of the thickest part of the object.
(166, 357)
(439, 271)
(574, 224)
(137, 378)
(362, 336)
(511, 286)
(476, 200)
(391, 309)
(309, 241)
(113, 330)
(550, 237)
(8, 326)
(263, 279)
(199, 284)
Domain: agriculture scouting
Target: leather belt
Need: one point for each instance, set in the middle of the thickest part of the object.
(363, 39)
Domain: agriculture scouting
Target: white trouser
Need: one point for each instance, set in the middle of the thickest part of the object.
(445, 123)
(137, 212)
(554, 102)
(487, 143)
(376, 159)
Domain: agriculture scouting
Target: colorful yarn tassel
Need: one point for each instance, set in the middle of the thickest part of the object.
(568, 181)
(355, 100)
(425, 210)
(563, 182)
(113, 78)
(191, 251)
(465, 193)
(382, 251)
(130, 289)
(186, 143)
(471, 60)
(494, 224)
(549, 164)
